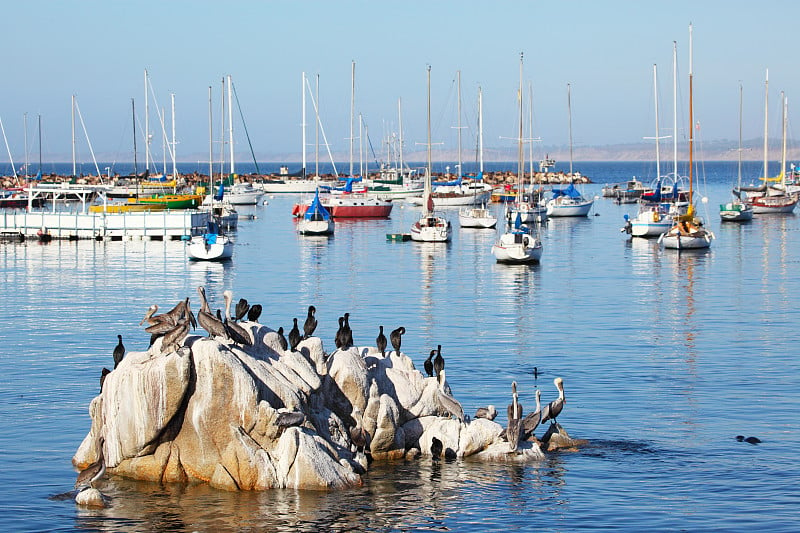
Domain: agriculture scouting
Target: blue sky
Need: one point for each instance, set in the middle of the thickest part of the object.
(98, 51)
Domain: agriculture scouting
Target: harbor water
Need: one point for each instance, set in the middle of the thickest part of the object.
(666, 357)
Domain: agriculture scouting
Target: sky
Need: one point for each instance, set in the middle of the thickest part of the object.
(604, 50)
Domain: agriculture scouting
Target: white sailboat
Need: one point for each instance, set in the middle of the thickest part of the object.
(688, 231)
(478, 216)
(316, 220)
(737, 210)
(430, 227)
(569, 202)
(222, 211)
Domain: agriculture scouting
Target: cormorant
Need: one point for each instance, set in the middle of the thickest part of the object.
(311, 322)
(380, 342)
(241, 309)
(438, 361)
(347, 338)
(294, 336)
(337, 340)
(429, 364)
(254, 313)
(396, 338)
(282, 339)
(119, 352)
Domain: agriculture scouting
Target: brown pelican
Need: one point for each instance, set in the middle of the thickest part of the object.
(209, 322)
(531, 420)
(119, 352)
(396, 337)
(241, 309)
(489, 413)
(173, 339)
(428, 364)
(514, 419)
(450, 404)
(294, 336)
(254, 313)
(380, 342)
(94, 471)
(438, 361)
(311, 322)
(553, 409)
(235, 331)
(172, 315)
(282, 339)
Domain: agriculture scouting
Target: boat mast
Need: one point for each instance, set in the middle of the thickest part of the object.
(520, 156)
(135, 164)
(766, 118)
(222, 131)
(400, 118)
(230, 122)
(316, 134)
(675, 109)
(655, 97)
(480, 130)
(739, 180)
(569, 111)
(39, 119)
(74, 172)
(690, 210)
(163, 141)
(426, 198)
(530, 127)
(352, 110)
(25, 134)
(174, 157)
(146, 125)
(210, 147)
(783, 150)
(458, 75)
(303, 121)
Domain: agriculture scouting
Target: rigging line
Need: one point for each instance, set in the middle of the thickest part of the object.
(86, 133)
(10, 159)
(321, 128)
(369, 141)
(244, 124)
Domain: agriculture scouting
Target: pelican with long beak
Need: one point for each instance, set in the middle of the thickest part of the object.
(450, 404)
(554, 408)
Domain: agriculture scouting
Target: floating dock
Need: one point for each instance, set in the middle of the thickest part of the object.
(399, 237)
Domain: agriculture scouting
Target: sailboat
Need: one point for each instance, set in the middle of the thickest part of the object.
(655, 215)
(526, 205)
(477, 217)
(213, 245)
(737, 210)
(688, 231)
(569, 202)
(430, 228)
(316, 220)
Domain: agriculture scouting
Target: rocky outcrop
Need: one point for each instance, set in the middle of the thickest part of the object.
(258, 417)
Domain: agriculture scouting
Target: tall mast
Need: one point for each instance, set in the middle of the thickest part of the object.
(427, 195)
(458, 74)
(135, 165)
(480, 130)
(690, 210)
(303, 121)
(222, 131)
(360, 146)
(316, 143)
(146, 125)
(174, 156)
(230, 121)
(163, 140)
(783, 150)
(675, 109)
(25, 134)
(74, 170)
(766, 115)
(352, 110)
(655, 97)
(39, 118)
(739, 181)
(520, 156)
(569, 111)
(530, 127)
(210, 145)
(400, 119)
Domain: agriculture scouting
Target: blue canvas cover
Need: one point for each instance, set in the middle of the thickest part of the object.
(570, 191)
(316, 211)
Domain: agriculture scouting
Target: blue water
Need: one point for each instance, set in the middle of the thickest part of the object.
(665, 359)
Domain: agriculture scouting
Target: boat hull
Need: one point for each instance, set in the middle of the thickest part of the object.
(454, 199)
(735, 213)
(216, 248)
(555, 208)
(431, 229)
(315, 227)
(517, 248)
(774, 204)
(351, 207)
(477, 218)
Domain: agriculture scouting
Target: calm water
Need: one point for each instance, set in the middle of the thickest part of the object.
(665, 359)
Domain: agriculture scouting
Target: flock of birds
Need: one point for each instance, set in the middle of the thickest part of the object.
(174, 325)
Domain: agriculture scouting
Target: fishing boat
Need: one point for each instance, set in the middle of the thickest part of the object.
(625, 192)
(316, 220)
(569, 202)
(430, 227)
(688, 231)
(518, 245)
(737, 210)
(213, 245)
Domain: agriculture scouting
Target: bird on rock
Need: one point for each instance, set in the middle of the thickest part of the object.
(396, 338)
(282, 339)
(119, 352)
(337, 340)
(241, 309)
(347, 333)
(489, 413)
(438, 361)
(94, 471)
(514, 428)
(311, 322)
(428, 364)
(254, 313)
(207, 321)
(294, 336)
(380, 342)
(554, 408)
(532, 420)
(235, 331)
